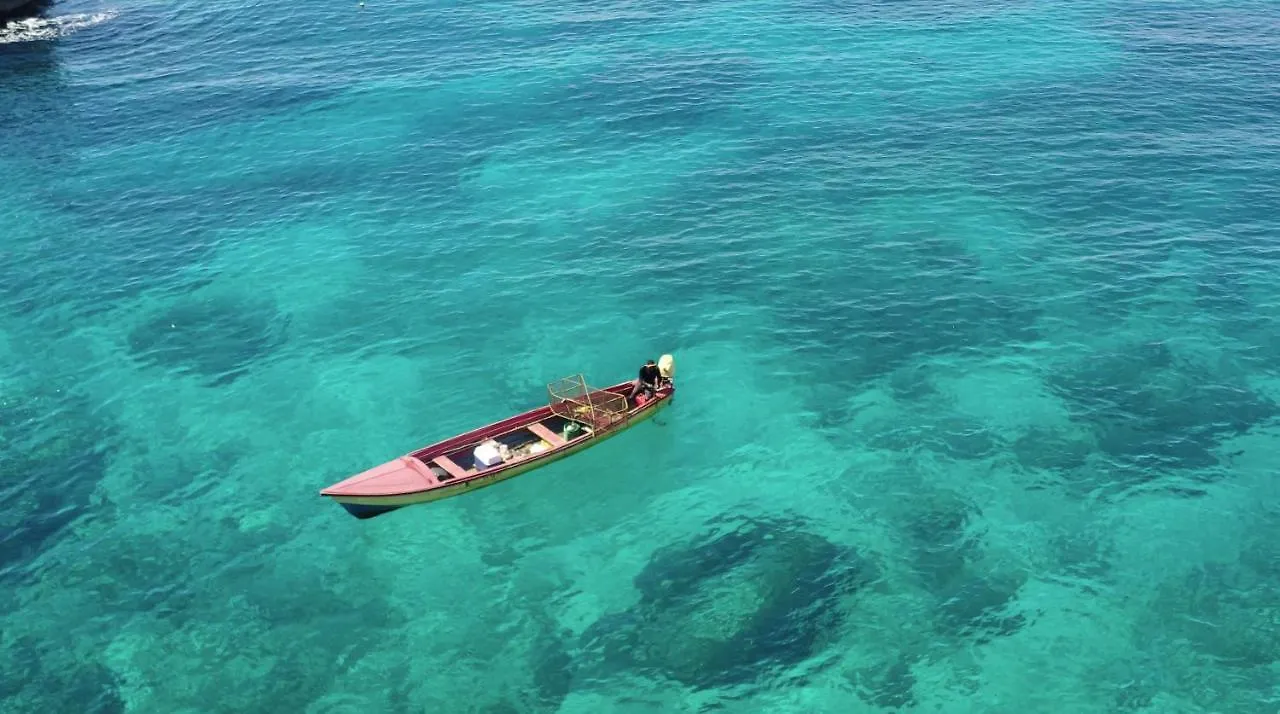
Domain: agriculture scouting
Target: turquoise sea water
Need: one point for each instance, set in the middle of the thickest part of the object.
(974, 307)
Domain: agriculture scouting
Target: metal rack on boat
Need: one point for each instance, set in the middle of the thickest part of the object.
(572, 399)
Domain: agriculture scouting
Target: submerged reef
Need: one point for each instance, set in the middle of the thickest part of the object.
(970, 601)
(218, 337)
(1212, 636)
(944, 596)
(1153, 411)
(890, 685)
(44, 676)
(730, 606)
(53, 453)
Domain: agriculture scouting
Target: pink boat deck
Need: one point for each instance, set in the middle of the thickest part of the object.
(450, 462)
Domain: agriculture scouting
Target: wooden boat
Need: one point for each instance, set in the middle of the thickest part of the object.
(575, 417)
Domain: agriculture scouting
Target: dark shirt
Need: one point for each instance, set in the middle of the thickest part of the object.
(649, 374)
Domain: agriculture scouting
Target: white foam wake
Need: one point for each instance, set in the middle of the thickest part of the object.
(51, 28)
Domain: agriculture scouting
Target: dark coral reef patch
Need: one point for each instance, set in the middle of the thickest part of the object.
(739, 601)
(218, 337)
(1153, 411)
(53, 453)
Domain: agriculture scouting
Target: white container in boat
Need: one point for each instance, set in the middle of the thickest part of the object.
(539, 447)
(487, 454)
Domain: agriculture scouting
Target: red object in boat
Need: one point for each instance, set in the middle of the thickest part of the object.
(575, 417)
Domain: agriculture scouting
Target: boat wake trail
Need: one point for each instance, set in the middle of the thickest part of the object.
(51, 28)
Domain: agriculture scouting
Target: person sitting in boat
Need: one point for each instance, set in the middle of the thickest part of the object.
(647, 382)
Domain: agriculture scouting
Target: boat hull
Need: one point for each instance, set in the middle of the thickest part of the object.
(373, 505)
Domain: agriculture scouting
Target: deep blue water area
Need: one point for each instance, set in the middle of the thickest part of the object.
(974, 309)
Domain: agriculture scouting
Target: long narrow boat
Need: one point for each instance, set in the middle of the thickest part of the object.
(575, 417)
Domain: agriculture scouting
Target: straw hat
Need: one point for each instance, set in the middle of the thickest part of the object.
(666, 366)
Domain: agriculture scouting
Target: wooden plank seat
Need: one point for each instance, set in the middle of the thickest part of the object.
(546, 435)
(449, 466)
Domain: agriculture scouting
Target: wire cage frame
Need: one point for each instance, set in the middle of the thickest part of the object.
(573, 399)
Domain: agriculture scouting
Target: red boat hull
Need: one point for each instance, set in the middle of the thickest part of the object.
(447, 468)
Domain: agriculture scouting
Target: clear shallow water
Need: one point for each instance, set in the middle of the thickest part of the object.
(973, 305)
